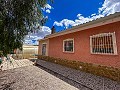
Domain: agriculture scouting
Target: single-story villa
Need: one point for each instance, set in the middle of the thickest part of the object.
(96, 42)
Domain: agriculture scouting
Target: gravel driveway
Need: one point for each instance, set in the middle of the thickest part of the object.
(32, 78)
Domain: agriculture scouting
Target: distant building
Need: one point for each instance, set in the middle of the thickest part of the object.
(95, 42)
(28, 51)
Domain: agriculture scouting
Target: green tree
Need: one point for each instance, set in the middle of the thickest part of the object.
(17, 17)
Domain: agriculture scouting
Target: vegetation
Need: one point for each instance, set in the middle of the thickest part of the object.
(17, 18)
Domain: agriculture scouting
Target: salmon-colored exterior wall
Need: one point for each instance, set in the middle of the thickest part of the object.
(82, 46)
(40, 46)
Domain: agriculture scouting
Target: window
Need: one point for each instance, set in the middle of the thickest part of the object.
(68, 45)
(104, 43)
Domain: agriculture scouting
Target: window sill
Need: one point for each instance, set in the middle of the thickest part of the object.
(104, 54)
(68, 52)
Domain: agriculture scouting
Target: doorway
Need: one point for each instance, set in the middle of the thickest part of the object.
(43, 49)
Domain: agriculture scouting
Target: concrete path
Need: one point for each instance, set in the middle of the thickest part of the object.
(15, 63)
(84, 79)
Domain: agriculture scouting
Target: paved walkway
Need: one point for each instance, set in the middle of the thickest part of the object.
(85, 79)
(15, 63)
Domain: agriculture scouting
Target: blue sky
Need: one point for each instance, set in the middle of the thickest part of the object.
(64, 14)
(69, 9)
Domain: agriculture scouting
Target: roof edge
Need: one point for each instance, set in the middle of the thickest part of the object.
(98, 22)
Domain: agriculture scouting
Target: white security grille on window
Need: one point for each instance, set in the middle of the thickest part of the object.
(68, 45)
(104, 43)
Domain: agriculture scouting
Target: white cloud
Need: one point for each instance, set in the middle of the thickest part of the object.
(67, 22)
(47, 8)
(108, 7)
(58, 23)
(93, 14)
(48, 11)
(80, 20)
(96, 16)
(64, 22)
(79, 15)
(32, 38)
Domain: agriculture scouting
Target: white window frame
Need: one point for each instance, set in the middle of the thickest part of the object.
(105, 34)
(73, 45)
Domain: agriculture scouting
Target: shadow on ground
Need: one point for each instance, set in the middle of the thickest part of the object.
(67, 80)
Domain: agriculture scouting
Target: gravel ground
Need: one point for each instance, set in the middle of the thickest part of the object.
(49, 76)
(15, 63)
(34, 78)
(84, 79)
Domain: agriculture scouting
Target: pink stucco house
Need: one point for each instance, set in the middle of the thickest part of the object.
(96, 42)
